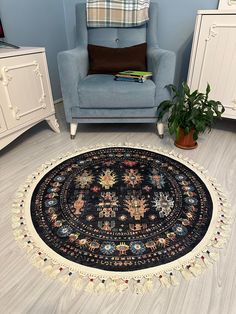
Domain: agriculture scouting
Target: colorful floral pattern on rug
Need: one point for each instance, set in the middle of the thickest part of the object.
(121, 209)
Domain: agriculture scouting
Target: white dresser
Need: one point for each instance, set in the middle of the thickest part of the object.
(25, 92)
(213, 58)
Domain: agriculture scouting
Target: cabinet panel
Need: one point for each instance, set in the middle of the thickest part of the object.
(215, 59)
(3, 126)
(24, 91)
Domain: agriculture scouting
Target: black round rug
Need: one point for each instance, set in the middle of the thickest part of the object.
(120, 209)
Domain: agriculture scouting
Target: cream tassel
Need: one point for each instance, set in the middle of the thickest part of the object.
(226, 215)
(224, 234)
(20, 194)
(90, 286)
(195, 269)
(123, 286)
(39, 262)
(220, 243)
(111, 286)
(29, 247)
(16, 209)
(138, 287)
(225, 227)
(214, 256)
(65, 279)
(148, 285)
(206, 261)
(225, 209)
(16, 225)
(16, 219)
(173, 280)
(186, 274)
(18, 233)
(164, 281)
(19, 237)
(55, 272)
(77, 283)
(47, 269)
(100, 288)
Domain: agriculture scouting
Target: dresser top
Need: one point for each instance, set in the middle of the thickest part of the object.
(6, 52)
(216, 12)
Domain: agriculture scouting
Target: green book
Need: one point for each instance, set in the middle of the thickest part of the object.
(137, 73)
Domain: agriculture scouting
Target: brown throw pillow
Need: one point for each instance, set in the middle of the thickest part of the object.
(105, 60)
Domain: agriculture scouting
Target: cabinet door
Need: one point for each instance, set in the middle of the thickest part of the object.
(215, 60)
(24, 89)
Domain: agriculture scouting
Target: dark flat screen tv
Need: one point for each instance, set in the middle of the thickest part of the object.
(3, 43)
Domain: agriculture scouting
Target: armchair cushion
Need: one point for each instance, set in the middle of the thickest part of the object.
(106, 60)
(102, 91)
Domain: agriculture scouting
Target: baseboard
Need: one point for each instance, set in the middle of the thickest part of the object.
(57, 101)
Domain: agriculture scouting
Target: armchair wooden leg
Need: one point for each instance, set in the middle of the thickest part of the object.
(73, 129)
(160, 129)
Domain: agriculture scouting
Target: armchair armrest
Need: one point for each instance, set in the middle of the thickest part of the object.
(73, 66)
(162, 64)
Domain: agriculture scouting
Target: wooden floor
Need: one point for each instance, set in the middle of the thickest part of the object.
(23, 289)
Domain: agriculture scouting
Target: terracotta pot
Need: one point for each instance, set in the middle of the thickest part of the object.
(186, 141)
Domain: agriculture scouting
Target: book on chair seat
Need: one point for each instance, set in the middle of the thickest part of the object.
(133, 76)
(136, 73)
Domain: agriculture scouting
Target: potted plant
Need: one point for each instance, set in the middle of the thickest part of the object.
(189, 114)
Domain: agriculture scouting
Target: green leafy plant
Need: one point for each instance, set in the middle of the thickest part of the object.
(189, 110)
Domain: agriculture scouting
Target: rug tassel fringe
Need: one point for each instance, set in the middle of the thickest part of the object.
(139, 287)
(186, 274)
(111, 286)
(47, 269)
(16, 209)
(148, 285)
(38, 262)
(196, 269)
(16, 225)
(214, 256)
(220, 243)
(65, 279)
(101, 287)
(164, 281)
(206, 262)
(28, 247)
(225, 227)
(78, 283)
(18, 234)
(123, 286)
(173, 280)
(55, 272)
(90, 286)
(225, 234)
(227, 216)
(15, 219)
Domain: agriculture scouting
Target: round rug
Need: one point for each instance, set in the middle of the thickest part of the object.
(107, 218)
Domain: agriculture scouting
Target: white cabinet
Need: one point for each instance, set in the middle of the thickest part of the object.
(25, 92)
(213, 58)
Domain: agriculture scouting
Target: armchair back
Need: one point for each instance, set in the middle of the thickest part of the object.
(116, 37)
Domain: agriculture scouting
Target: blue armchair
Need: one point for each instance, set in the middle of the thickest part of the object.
(98, 98)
